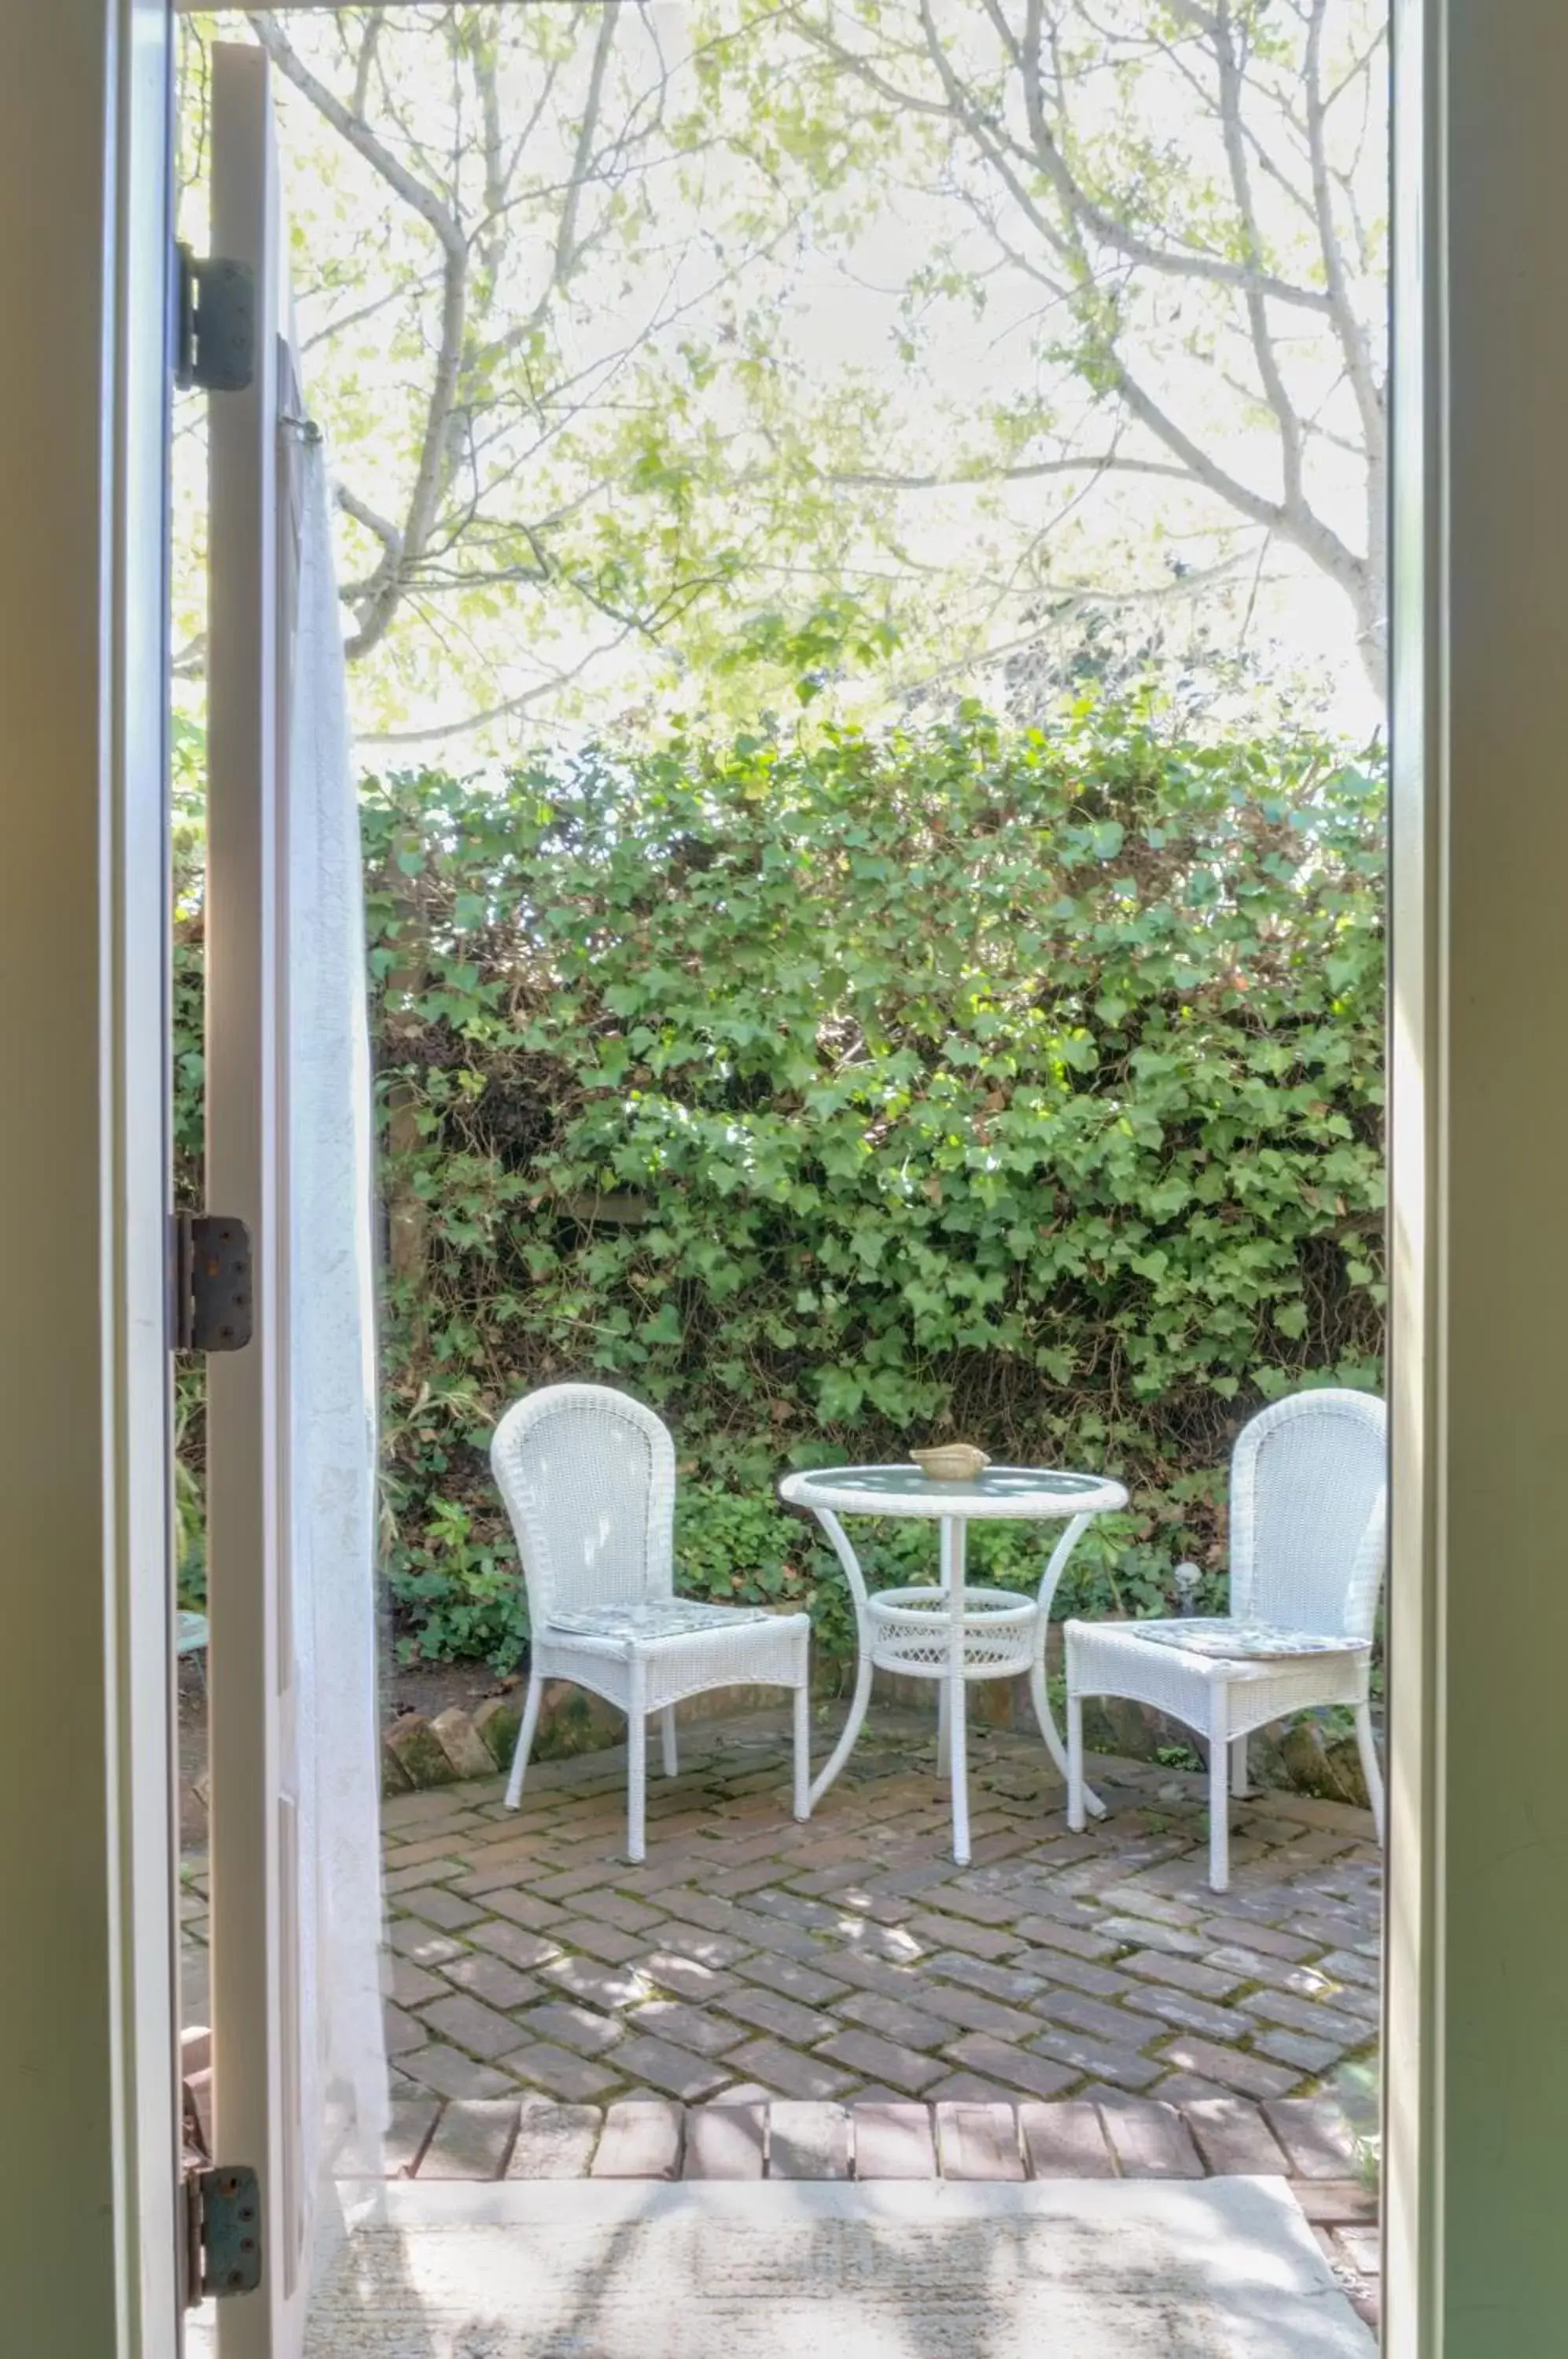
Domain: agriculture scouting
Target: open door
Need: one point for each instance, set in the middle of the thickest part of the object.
(299, 2079)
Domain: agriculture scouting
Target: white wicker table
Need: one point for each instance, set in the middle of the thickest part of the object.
(955, 1633)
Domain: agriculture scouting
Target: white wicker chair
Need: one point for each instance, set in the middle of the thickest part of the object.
(588, 1476)
(1308, 1543)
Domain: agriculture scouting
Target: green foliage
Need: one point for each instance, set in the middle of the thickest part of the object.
(187, 761)
(832, 1092)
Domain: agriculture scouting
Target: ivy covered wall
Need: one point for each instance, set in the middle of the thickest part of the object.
(835, 1093)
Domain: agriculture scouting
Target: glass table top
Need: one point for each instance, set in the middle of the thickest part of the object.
(997, 1491)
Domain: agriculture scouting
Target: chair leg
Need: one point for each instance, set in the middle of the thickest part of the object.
(525, 1741)
(667, 1732)
(1219, 1794)
(1075, 1803)
(637, 1763)
(803, 1803)
(1238, 1781)
(1371, 1768)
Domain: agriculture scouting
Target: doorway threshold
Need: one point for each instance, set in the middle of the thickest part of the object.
(1223, 2269)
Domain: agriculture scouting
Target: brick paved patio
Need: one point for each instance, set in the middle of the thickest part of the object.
(848, 1960)
(759, 1989)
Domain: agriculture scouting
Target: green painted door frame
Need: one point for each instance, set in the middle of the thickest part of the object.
(90, 2151)
(1477, 2047)
(1477, 2057)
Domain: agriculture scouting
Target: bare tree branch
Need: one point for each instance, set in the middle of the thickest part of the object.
(357, 132)
(1289, 425)
(566, 235)
(1098, 462)
(404, 546)
(507, 710)
(386, 533)
(366, 61)
(1351, 334)
(1174, 261)
(1045, 181)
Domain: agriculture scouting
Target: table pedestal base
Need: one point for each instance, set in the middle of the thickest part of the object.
(952, 1758)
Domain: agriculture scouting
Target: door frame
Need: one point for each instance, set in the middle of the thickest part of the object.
(87, 1994)
(1413, 2084)
(1476, 2062)
(1465, 691)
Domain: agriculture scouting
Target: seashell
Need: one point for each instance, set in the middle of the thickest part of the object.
(951, 1461)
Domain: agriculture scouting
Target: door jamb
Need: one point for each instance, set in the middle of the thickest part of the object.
(1413, 2001)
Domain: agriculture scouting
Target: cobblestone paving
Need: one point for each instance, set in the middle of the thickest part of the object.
(775, 1981)
(848, 1960)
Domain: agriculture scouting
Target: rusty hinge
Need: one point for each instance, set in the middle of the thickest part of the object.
(220, 2218)
(223, 2231)
(211, 1279)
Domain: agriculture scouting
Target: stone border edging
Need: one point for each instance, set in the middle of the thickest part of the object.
(1302, 2140)
(420, 1752)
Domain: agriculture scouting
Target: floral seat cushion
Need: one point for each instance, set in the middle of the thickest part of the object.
(1221, 1639)
(658, 1618)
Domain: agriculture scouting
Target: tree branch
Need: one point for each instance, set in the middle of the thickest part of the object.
(386, 533)
(566, 242)
(404, 546)
(366, 61)
(1352, 336)
(511, 705)
(1168, 262)
(1099, 463)
(1274, 389)
(357, 132)
(1298, 526)
(431, 474)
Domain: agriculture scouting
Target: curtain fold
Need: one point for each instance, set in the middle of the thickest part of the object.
(329, 1356)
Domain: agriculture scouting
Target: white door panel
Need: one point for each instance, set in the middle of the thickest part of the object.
(255, 1862)
(299, 2067)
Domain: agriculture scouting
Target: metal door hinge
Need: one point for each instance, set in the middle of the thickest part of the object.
(212, 1283)
(223, 2231)
(215, 323)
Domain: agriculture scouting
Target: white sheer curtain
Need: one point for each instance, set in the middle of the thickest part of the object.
(330, 1356)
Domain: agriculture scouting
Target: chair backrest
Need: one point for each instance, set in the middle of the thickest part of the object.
(588, 1476)
(1309, 1513)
